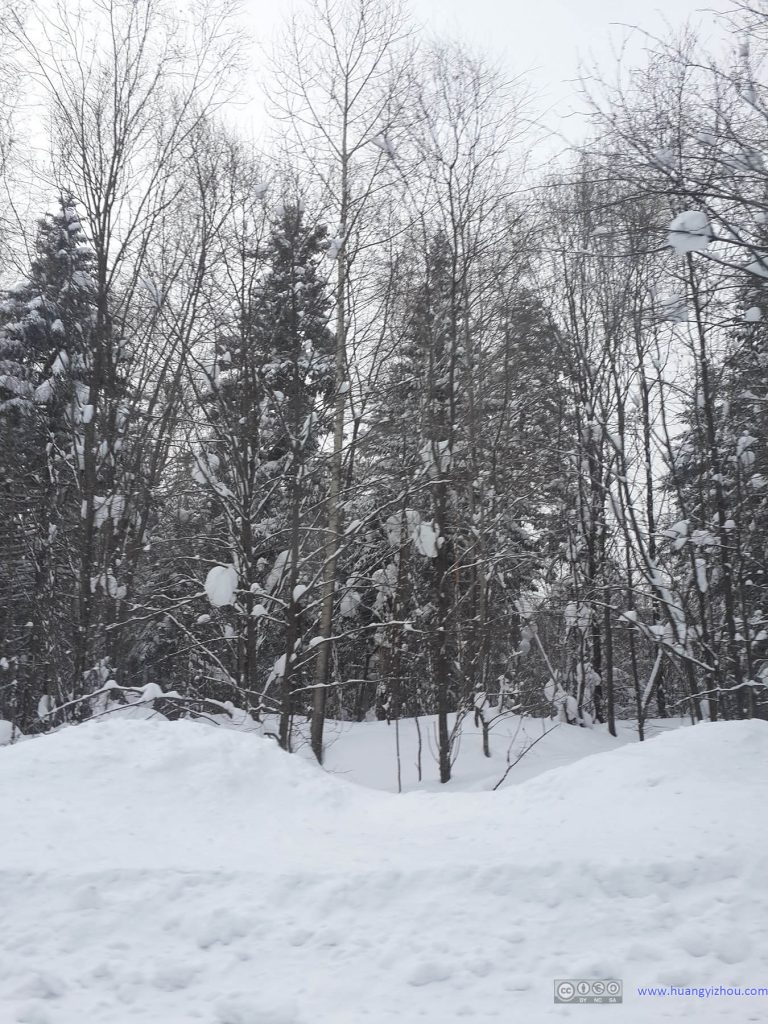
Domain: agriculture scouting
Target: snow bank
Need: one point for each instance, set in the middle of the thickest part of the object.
(132, 794)
(173, 872)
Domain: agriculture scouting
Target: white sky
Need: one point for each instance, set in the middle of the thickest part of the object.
(551, 35)
(543, 39)
(546, 41)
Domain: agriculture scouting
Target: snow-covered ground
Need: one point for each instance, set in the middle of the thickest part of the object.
(173, 872)
(366, 752)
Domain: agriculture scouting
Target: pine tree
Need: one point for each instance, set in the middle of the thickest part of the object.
(44, 335)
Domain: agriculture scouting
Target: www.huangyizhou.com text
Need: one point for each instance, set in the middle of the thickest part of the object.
(704, 992)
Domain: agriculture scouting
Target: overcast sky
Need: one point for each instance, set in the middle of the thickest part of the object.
(550, 35)
(544, 40)
(547, 39)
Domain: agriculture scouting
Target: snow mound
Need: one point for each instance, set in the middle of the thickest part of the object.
(176, 872)
(138, 793)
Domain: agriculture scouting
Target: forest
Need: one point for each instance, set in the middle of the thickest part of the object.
(404, 408)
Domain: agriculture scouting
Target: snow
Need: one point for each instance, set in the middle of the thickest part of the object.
(111, 507)
(275, 577)
(678, 533)
(690, 232)
(334, 248)
(437, 457)
(701, 574)
(44, 392)
(177, 872)
(758, 267)
(278, 670)
(577, 615)
(350, 604)
(406, 522)
(205, 468)
(221, 585)
(109, 585)
(424, 536)
(425, 540)
(384, 143)
(744, 442)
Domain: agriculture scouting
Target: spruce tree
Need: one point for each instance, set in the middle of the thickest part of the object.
(44, 328)
(265, 409)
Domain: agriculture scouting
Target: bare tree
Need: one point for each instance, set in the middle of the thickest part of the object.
(338, 76)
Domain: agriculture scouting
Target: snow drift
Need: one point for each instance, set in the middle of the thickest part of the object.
(172, 872)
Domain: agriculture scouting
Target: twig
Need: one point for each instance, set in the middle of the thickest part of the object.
(522, 755)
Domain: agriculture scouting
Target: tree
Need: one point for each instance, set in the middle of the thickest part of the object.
(264, 406)
(129, 87)
(43, 344)
(338, 83)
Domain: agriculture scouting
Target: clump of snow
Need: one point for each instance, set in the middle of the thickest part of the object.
(678, 534)
(221, 585)
(408, 525)
(275, 577)
(350, 603)
(334, 248)
(701, 574)
(577, 615)
(690, 232)
(425, 540)
(384, 143)
(110, 507)
(60, 364)
(44, 392)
